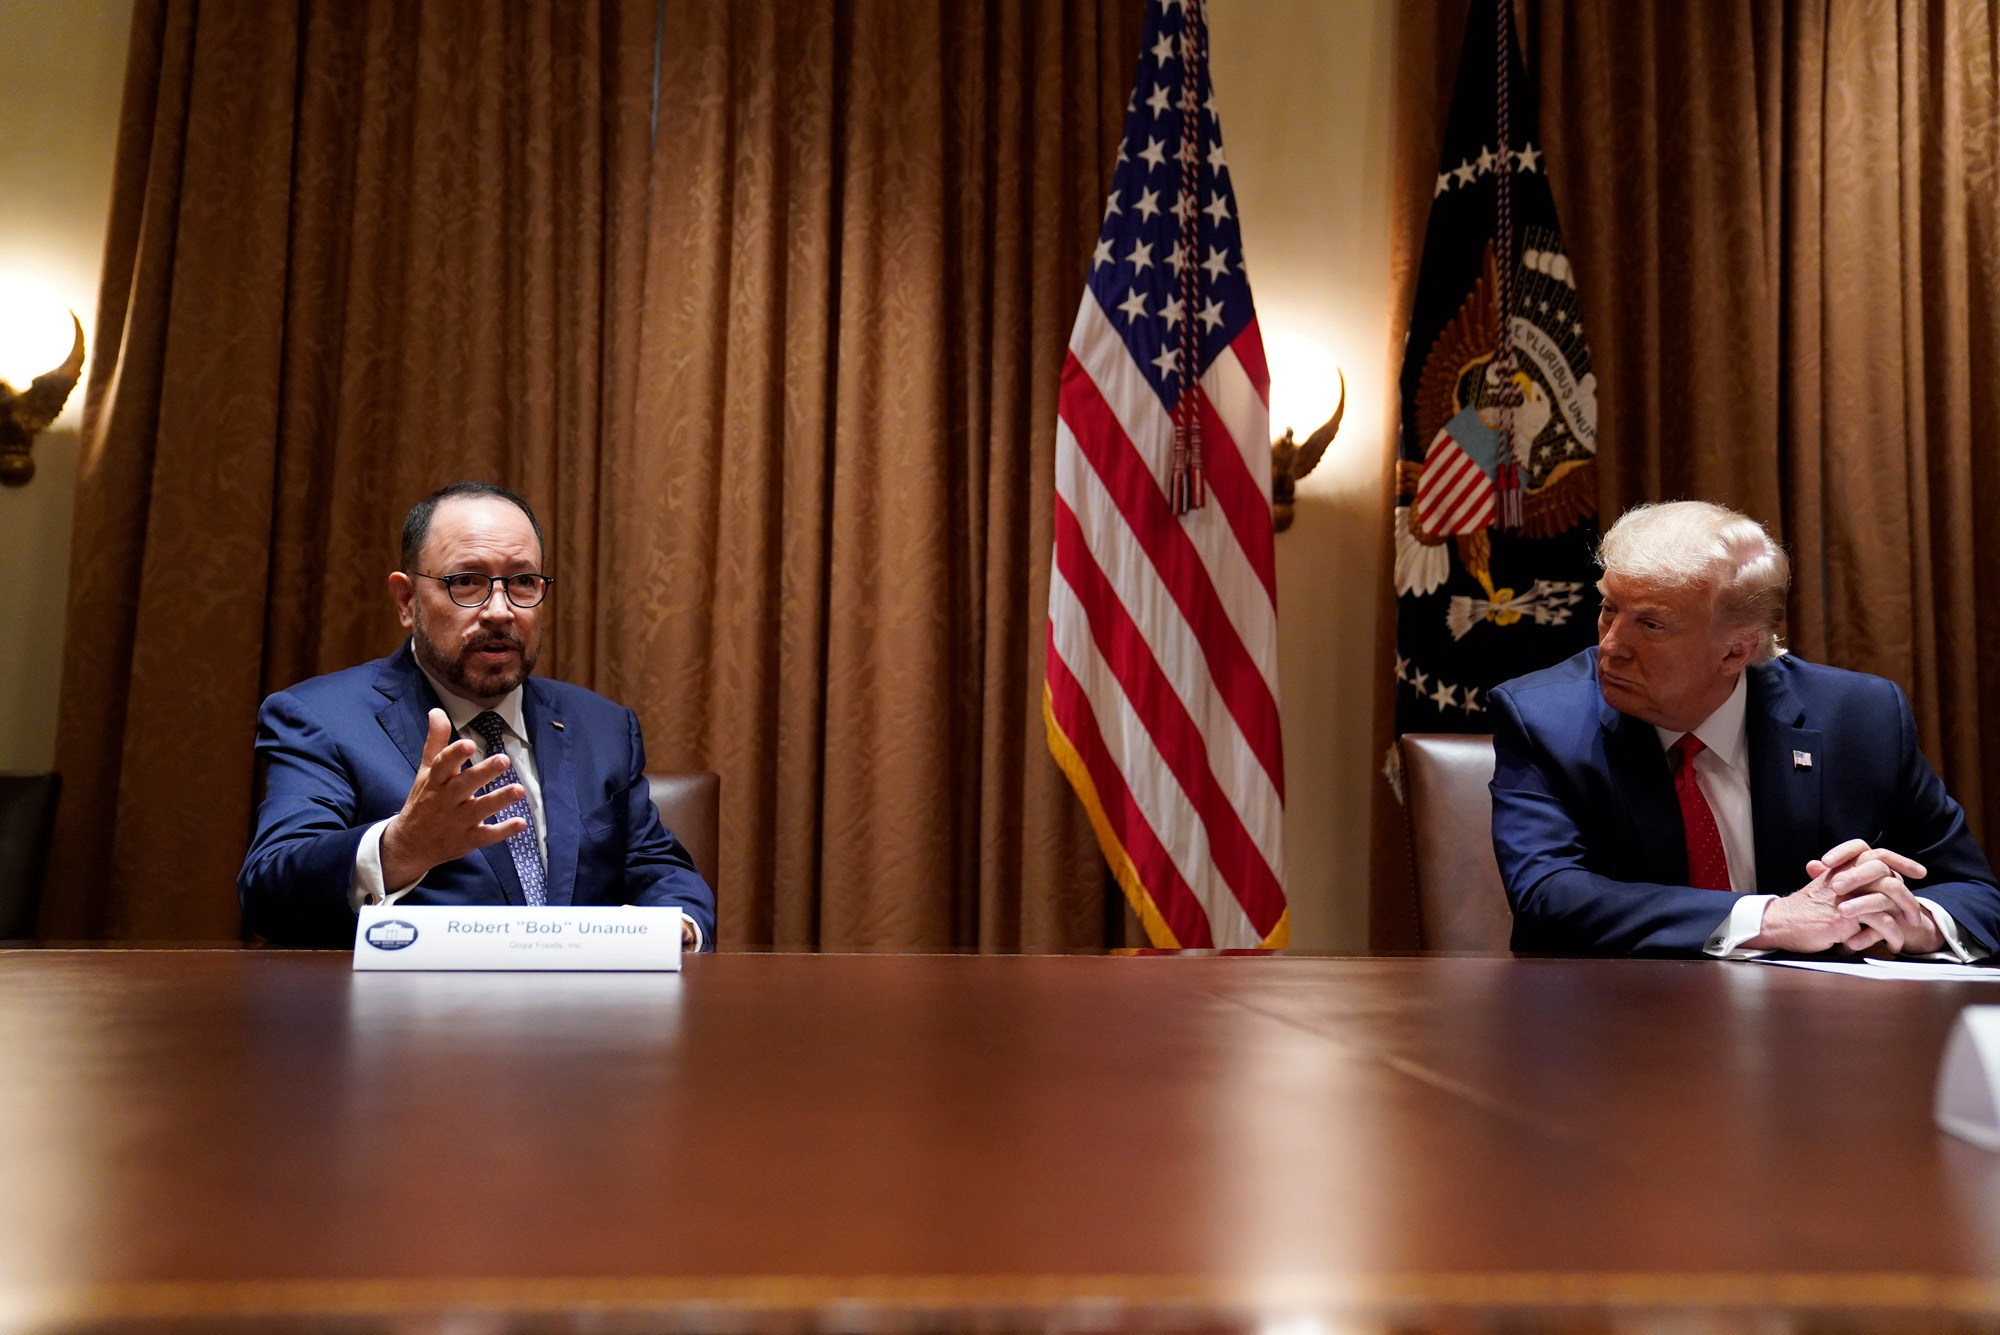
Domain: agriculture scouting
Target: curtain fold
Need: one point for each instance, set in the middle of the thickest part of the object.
(870, 225)
(1785, 221)
(779, 379)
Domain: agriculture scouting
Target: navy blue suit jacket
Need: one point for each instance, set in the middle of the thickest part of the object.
(342, 751)
(1588, 831)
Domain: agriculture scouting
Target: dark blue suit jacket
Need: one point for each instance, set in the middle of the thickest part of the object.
(342, 751)
(1588, 831)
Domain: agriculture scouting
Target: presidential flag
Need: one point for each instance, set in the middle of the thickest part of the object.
(1496, 511)
(1161, 694)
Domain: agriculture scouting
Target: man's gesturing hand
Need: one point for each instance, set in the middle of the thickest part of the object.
(442, 818)
(1857, 900)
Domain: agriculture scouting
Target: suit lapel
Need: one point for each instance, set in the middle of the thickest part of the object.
(1784, 795)
(406, 718)
(1639, 773)
(405, 715)
(560, 821)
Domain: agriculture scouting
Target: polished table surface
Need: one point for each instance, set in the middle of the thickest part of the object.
(854, 1142)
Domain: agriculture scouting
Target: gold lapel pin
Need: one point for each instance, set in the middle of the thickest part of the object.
(558, 727)
(1800, 759)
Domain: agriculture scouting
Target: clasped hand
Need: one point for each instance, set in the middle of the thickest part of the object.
(1856, 900)
(444, 817)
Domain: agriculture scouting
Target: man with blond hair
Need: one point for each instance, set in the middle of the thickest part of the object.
(1688, 787)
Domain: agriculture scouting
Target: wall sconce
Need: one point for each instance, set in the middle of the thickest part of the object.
(1303, 378)
(25, 414)
(1291, 460)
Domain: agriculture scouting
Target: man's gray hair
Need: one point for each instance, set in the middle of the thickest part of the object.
(1683, 544)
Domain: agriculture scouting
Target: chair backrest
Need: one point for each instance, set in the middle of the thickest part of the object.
(691, 806)
(27, 824)
(1461, 903)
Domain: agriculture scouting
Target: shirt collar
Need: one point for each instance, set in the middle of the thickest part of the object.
(1726, 731)
(462, 711)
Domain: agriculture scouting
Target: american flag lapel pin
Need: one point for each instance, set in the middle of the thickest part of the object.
(1801, 760)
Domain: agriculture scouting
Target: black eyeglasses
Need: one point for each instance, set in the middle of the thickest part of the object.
(469, 588)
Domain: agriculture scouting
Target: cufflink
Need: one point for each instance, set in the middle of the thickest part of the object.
(1800, 759)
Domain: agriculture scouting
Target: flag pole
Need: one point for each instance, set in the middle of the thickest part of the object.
(1188, 489)
(1503, 257)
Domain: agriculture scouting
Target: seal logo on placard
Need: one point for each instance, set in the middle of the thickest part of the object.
(390, 934)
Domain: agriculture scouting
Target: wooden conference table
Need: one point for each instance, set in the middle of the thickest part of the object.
(264, 1140)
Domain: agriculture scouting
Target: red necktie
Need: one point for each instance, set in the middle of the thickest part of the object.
(1708, 869)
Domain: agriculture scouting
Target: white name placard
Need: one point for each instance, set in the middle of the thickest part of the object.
(431, 936)
(1968, 1088)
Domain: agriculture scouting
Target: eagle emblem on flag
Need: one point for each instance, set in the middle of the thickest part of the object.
(1552, 445)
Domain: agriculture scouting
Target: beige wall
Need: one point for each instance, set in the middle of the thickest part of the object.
(62, 70)
(1303, 87)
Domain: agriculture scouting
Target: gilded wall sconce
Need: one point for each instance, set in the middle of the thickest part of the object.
(25, 414)
(1291, 461)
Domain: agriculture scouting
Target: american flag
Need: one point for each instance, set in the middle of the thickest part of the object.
(1161, 695)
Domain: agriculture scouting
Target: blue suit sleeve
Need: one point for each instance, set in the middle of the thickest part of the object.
(294, 883)
(1560, 905)
(1930, 827)
(659, 872)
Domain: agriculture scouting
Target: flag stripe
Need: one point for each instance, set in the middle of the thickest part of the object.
(1137, 586)
(1249, 349)
(1128, 876)
(1445, 479)
(1470, 498)
(1472, 513)
(1170, 894)
(1244, 589)
(1145, 511)
(1452, 490)
(1174, 732)
(1235, 488)
(1456, 494)
(1156, 792)
(1236, 399)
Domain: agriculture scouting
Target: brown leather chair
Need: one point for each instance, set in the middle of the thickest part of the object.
(691, 806)
(27, 823)
(1461, 904)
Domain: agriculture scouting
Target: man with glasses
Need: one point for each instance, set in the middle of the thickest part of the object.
(449, 773)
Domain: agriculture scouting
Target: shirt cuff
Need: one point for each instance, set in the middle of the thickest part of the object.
(1745, 921)
(366, 885)
(697, 930)
(1956, 947)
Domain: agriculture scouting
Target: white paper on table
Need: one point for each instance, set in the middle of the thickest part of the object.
(1924, 971)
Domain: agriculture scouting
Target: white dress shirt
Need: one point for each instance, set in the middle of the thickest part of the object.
(1722, 773)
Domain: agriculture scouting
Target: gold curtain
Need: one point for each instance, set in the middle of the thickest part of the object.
(1785, 221)
(780, 381)
(869, 234)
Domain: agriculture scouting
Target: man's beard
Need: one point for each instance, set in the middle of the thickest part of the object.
(459, 673)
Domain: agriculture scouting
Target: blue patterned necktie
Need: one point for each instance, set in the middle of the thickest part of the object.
(527, 856)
